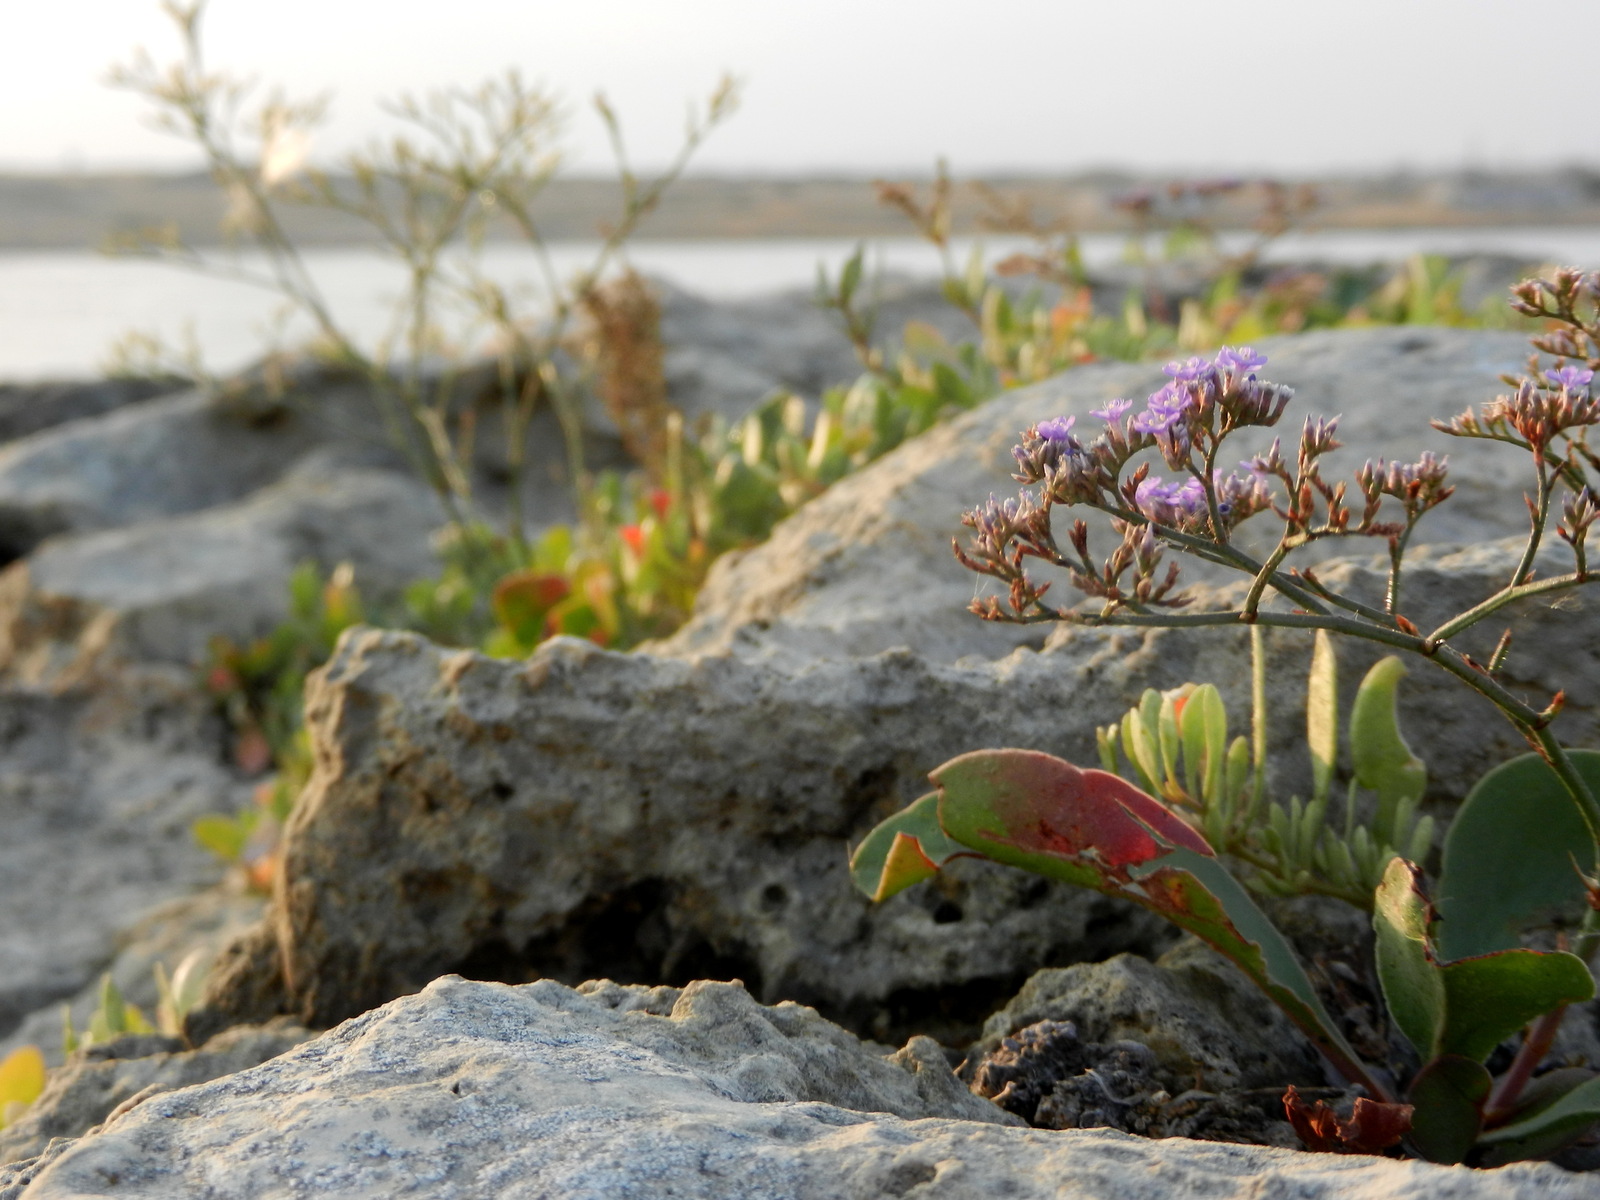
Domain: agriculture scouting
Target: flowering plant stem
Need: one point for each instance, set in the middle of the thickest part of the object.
(1186, 423)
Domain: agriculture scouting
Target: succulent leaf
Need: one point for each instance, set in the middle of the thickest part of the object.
(1408, 970)
(1512, 854)
(1382, 760)
(1447, 1098)
(1545, 1131)
(1322, 713)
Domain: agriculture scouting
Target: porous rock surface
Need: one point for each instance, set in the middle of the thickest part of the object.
(97, 792)
(589, 812)
(105, 1076)
(1208, 1026)
(474, 1090)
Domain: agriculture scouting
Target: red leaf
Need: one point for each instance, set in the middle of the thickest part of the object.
(1049, 805)
(1372, 1127)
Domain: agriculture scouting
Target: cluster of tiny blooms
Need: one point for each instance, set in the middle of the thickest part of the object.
(1202, 401)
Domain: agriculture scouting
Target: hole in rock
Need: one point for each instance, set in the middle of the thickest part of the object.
(947, 913)
(629, 936)
(952, 1015)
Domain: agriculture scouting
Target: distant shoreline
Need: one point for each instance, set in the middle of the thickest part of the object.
(75, 212)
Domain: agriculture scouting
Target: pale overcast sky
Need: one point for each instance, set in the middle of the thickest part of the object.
(867, 86)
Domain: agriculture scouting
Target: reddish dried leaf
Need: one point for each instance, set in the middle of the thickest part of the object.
(1315, 1124)
(1375, 1126)
(1372, 1127)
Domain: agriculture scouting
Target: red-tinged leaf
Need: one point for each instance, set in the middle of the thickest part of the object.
(522, 602)
(1092, 829)
(1022, 801)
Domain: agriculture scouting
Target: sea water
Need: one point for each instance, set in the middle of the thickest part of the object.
(61, 312)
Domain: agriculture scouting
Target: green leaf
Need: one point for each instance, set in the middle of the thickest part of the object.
(850, 276)
(1509, 856)
(1139, 744)
(1382, 760)
(906, 849)
(1464, 1007)
(1413, 984)
(1547, 1130)
(1168, 739)
(1447, 1099)
(1489, 998)
(305, 590)
(224, 836)
(1091, 828)
(1204, 724)
(1322, 713)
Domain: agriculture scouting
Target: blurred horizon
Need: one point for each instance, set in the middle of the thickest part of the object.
(870, 87)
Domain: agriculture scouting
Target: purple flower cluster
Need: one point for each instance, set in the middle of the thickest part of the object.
(1183, 505)
(1198, 388)
(1179, 505)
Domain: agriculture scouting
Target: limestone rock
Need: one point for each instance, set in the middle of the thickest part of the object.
(174, 455)
(97, 794)
(97, 1080)
(474, 1090)
(867, 565)
(166, 587)
(1208, 1026)
(589, 812)
(204, 924)
(29, 407)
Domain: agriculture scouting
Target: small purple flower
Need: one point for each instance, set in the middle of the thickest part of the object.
(1113, 410)
(1164, 410)
(1189, 371)
(1570, 377)
(1241, 496)
(1175, 504)
(1242, 359)
(1058, 430)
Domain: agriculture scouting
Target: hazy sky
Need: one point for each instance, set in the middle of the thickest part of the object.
(879, 85)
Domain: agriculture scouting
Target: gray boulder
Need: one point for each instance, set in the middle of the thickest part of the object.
(29, 407)
(201, 924)
(97, 794)
(165, 587)
(104, 1077)
(589, 812)
(474, 1090)
(175, 455)
(867, 565)
(1208, 1026)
